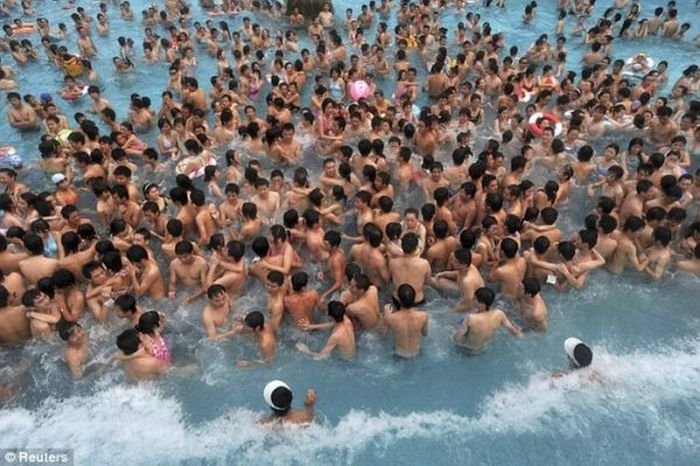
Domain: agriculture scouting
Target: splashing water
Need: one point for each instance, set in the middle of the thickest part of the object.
(139, 424)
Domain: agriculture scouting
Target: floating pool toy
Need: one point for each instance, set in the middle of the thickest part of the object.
(360, 90)
(638, 66)
(75, 95)
(197, 173)
(536, 120)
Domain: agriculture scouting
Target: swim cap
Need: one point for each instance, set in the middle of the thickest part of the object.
(278, 395)
(46, 97)
(578, 351)
(57, 178)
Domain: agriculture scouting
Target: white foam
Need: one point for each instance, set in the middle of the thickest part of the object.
(139, 424)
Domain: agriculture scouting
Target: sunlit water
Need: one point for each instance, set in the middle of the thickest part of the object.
(500, 407)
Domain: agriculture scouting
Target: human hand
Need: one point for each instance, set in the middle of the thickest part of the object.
(304, 324)
(310, 397)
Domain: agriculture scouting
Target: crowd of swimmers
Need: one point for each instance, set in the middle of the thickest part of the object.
(333, 250)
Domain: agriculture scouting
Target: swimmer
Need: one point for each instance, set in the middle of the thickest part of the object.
(342, 334)
(691, 265)
(532, 307)
(77, 351)
(216, 312)
(278, 397)
(189, 268)
(477, 329)
(410, 269)
(409, 325)
(580, 357)
(136, 361)
(301, 302)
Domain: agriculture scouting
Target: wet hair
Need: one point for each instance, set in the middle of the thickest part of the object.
(333, 238)
(541, 244)
(65, 329)
(589, 237)
(215, 290)
(126, 303)
(63, 278)
(128, 341)
(409, 243)
(148, 322)
(276, 277)
(299, 280)
(261, 246)
(406, 296)
(463, 256)
(351, 270)
(662, 235)
(509, 247)
(336, 310)
(372, 234)
(33, 244)
(255, 320)
(531, 286)
(567, 250)
(183, 247)
(485, 296)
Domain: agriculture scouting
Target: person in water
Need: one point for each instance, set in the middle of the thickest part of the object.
(580, 357)
(500, 212)
(279, 396)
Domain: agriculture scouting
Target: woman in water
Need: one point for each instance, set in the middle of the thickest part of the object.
(150, 326)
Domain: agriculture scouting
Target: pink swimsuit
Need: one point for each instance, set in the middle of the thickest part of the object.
(159, 349)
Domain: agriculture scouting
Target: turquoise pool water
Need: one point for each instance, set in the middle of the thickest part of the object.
(500, 407)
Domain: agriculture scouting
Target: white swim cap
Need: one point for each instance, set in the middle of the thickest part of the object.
(57, 178)
(578, 351)
(278, 395)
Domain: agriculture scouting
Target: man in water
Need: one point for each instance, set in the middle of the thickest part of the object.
(254, 322)
(408, 324)
(216, 312)
(300, 303)
(580, 357)
(532, 307)
(278, 397)
(188, 267)
(138, 364)
(411, 268)
(342, 334)
(478, 329)
(78, 349)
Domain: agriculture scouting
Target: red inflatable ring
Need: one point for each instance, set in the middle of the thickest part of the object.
(536, 120)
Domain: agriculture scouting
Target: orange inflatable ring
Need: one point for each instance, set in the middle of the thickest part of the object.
(537, 118)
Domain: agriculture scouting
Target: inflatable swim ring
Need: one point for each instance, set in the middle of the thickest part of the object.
(636, 70)
(536, 119)
(75, 95)
(199, 172)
